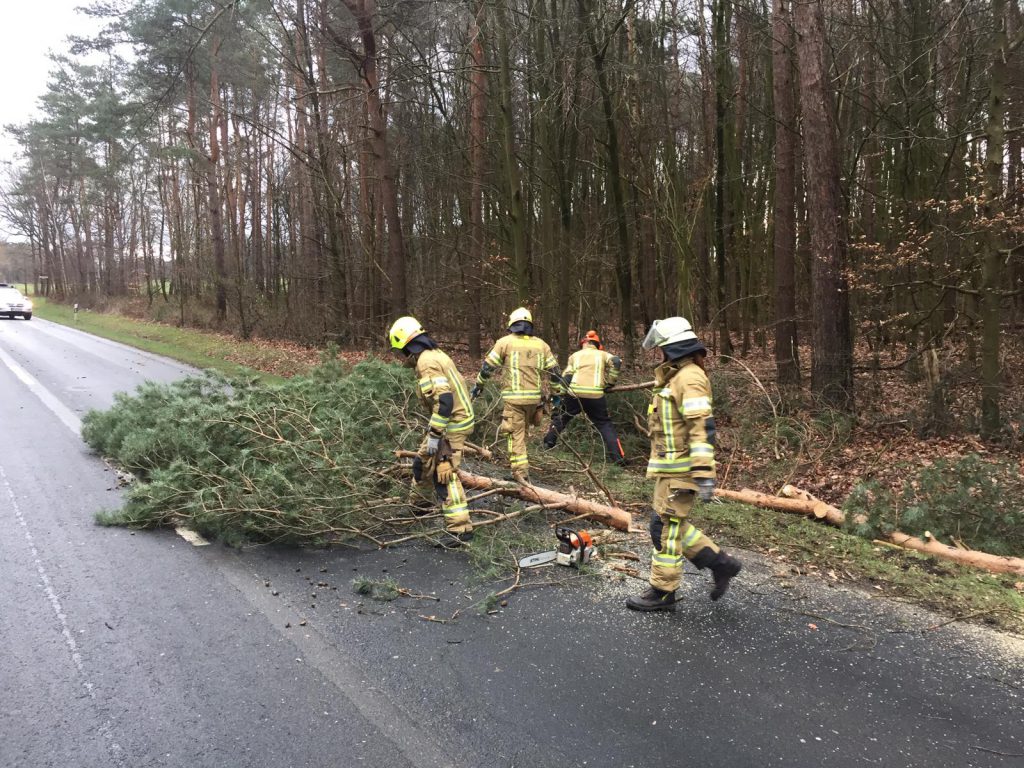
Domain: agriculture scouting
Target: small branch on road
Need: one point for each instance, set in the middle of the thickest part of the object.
(997, 752)
(967, 617)
(408, 593)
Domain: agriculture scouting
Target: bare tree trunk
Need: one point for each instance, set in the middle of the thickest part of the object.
(516, 211)
(365, 13)
(787, 361)
(213, 189)
(256, 242)
(477, 137)
(724, 146)
(992, 272)
(623, 256)
(831, 338)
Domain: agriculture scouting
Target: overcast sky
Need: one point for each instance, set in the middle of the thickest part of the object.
(32, 28)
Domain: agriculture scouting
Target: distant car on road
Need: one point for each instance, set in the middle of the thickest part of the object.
(12, 304)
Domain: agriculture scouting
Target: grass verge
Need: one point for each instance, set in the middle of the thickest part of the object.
(201, 349)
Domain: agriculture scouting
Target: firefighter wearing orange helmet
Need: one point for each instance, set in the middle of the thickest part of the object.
(590, 373)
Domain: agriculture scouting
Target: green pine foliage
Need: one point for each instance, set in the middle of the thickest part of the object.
(974, 500)
(306, 461)
(384, 590)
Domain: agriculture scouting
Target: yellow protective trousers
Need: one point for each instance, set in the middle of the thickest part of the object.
(675, 537)
(451, 495)
(515, 422)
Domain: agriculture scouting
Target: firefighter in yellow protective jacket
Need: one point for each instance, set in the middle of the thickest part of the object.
(525, 360)
(442, 390)
(590, 373)
(682, 463)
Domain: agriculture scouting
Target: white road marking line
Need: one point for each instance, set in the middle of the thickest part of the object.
(191, 537)
(61, 411)
(115, 749)
(422, 747)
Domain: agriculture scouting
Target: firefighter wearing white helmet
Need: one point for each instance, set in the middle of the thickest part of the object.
(524, 359)
(682, 463)
(443, 392)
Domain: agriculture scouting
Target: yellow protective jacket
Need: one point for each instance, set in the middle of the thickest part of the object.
(437, 374)
(591, 370)
(681, 423)
(524, 359)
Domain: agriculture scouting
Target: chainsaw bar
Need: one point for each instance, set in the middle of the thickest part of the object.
(531, 561)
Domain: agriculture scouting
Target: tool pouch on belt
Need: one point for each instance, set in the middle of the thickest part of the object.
(445, 471)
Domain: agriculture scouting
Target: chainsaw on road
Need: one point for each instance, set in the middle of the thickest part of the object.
(574, 549)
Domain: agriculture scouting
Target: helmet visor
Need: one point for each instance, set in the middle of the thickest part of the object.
(653, 338)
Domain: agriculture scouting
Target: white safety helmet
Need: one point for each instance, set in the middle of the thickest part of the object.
(521, 314)
(668, 331)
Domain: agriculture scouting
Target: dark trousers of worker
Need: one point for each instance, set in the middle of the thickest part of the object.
(596, 409)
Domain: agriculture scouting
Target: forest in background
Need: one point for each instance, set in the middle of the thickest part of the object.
(813, 176)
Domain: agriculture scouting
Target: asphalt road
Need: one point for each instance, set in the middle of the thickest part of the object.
(139, 649)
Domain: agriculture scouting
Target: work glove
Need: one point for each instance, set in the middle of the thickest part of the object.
(609, 388)
(433, 442)
(445, 472)
(475, 392)
(706, 488)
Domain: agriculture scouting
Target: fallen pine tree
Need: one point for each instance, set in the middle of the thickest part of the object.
(310, 461)
(805, 503)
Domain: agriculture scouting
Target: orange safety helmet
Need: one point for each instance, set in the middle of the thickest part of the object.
(591, 336)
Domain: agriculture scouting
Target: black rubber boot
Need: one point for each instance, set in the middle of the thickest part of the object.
(653, 599)
(550, 439)
(725, 569)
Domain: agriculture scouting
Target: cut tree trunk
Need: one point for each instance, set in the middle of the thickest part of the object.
(633, 387)
(820, 509)
(971, 557)
(468, 447)
(611, 516)
(816, 509)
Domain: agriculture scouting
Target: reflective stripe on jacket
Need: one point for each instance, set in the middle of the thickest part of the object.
(524, 360)
(591, 370)
(681, 423)
(437, 374)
